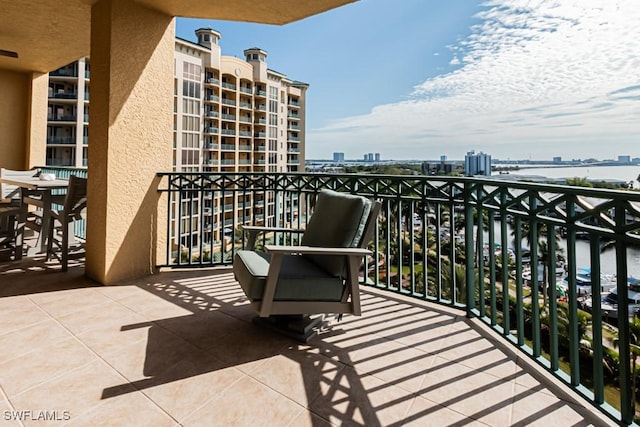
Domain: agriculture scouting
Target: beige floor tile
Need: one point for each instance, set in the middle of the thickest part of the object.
(152, 356)
(188, 386)
(246, 403)
(298, 374)
(248, 346)
(74, 392)
(112, 336)
(133, 409)
(309, 419)
(203, 330)
(537, 408)
(472, 393)
(357, 400)
(31, 338)
(43, 364)
(108, 313)
(19, 313)
(469, 348)
(59, 303)
(393, 363)
(425, 413)
(430, 335)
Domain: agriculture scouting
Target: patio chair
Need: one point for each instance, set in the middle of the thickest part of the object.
(10, 209)
(288, 284)
(74, 208)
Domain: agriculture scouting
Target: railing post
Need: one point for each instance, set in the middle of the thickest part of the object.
(469, 249)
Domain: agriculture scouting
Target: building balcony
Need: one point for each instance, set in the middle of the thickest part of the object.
(64, 95)
(62, 118)
(261, 93)
(244, 147)
(211, 130)
(245, 119)
(64, 72)
(228, 147)
(210, 146)
(246, 90)
(446, 334)
(213, 114)
(293, 116)
(226, 101)
(227, 131)
(213, 81)
(66, 140)
(228, 117)
(260, 135)
(212, 98)
(245, 133)
(246, 105)
(228, 86)
(260, 121)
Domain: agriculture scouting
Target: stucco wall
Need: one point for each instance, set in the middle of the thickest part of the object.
(14, 115)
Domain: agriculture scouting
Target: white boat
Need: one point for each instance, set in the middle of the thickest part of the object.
(609, 303)
(584, 286)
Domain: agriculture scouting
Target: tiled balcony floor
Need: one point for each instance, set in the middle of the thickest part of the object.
(178, 348)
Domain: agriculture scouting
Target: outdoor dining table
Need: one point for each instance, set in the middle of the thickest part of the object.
(36, 192)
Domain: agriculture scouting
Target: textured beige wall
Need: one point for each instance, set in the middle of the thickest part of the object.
(37, 118)
(131, 125)
(14, 102)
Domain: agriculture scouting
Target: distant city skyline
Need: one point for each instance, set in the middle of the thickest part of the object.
(517, 79)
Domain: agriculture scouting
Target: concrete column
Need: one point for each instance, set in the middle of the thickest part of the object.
(130, 125)
(14, 87)
(37, 127)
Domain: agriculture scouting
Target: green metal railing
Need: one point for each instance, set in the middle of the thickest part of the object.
(462, 242)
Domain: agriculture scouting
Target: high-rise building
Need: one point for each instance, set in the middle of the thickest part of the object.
(338, 157)
(477, 164)
(68, 115)
(230, 115)
(377, 157)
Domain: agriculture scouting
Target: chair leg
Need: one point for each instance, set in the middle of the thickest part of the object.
(52, 224)
(67, 228)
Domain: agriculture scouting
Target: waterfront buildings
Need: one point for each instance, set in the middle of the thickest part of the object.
(230, 115)
(477, 164)
(338, 157)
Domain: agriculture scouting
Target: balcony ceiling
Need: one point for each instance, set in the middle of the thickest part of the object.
(47, 34)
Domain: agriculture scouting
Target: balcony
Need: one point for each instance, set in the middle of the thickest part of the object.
(62, 118)
(67, 140)
(430, 246)
(213, 114)
(64, 72)
(246, 90)
(228, 117)
(64, 95)
(226, 101)
(180, 347)
(213, 81)
(229, 86)
(212, 98)
(227, 131)
(427, 347)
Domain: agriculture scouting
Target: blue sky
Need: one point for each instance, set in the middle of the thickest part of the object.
(415, 80)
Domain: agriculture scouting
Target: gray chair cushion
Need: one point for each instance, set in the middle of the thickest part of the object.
(338, 221)
(299, 280)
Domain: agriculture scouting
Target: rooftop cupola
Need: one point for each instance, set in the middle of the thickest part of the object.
(207, 37)
(255, 54)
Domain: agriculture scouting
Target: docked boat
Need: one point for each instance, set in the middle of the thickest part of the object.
(609, 303)
(584, 286)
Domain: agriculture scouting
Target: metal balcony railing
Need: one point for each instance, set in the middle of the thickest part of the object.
(467, 243)
(61, 139)
(64, 95)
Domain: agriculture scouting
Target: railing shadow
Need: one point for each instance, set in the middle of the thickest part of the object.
(339, 383)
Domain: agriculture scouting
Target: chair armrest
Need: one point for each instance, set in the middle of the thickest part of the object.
(259, 228)
(316, 250)
(253, 230)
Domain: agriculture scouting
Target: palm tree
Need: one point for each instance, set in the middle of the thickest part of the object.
(543, 252)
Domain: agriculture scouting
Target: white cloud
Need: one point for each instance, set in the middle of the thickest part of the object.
(539, 78)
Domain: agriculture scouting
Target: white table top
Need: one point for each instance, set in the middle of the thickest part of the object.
(35, 183)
